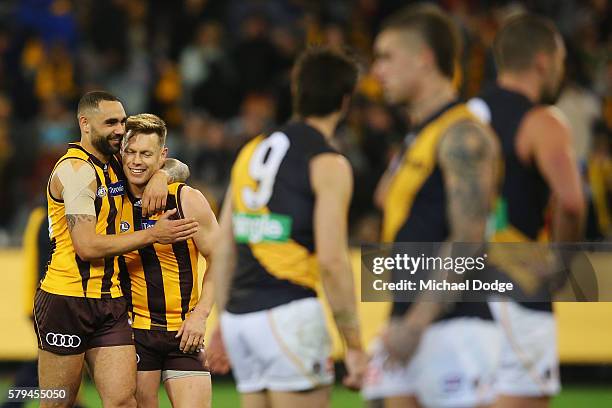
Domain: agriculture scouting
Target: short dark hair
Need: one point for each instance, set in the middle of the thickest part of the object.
(322, 77)
(435, 28)
(521, 38)
(91, 100)
(146, 123)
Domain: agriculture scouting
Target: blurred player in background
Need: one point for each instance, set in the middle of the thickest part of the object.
(284, 223)
(440, 188)
(540, 165)
(79, 312)
(160, 282)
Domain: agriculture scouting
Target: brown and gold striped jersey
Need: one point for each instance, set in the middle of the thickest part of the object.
(160, 280)
(67, 274)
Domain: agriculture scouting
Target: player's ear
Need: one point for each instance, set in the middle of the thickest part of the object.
(84, 123)
(346, 104)
(541, 63)
(164, 153)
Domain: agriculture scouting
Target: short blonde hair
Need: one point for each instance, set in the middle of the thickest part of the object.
(146, 123)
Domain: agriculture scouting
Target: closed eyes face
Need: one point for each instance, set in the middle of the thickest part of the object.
(142, 156)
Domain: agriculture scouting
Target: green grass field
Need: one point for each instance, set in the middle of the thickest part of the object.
(225, 396)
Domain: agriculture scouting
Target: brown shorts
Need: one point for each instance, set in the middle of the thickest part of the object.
(71, 325)
(159, 350)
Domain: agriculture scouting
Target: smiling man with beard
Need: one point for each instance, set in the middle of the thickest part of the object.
(79, 311)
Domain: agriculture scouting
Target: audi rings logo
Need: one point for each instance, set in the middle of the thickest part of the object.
(63, 340)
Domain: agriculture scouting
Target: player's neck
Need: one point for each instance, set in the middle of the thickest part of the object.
(433, 95)
(523, 83)
(136, 190)
(326, 125)
(87, 145)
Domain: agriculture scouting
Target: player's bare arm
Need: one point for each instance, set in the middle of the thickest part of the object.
(193, 329)
(545, 139)
(222, 269)
(332, 182)
(469, 157)
(74, 181)
(156, 192)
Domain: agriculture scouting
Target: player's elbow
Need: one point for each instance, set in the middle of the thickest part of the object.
(573, 205)
(85, 251)
(331, 261)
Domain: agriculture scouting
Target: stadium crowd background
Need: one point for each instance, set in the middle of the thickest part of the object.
(218, 73)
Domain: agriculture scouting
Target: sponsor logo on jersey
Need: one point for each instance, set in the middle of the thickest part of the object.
(124, 226)
(250, 228)
(146, 224)
(116, 189)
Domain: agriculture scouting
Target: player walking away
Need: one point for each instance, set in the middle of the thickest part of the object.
(79, 311)
(441, 188)
(285, 223)
(160, 280)
(539, 165)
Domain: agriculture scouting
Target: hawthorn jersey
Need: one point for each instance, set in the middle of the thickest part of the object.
(160, 280)
(273, 206)
(67, 274)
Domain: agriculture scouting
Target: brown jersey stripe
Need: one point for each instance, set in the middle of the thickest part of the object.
(126, 283)
(156, 297)
(181, 253)
(83, 271)
(98, 200)
(51, 252)
(116, 166)
(109, 262)
(178, 201)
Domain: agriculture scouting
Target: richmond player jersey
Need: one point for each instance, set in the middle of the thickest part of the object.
(521, 209)
(159, 281)
(415, 205)
(67, 274)
(273, 206)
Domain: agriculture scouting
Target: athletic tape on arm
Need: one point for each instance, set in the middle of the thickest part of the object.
(79, 191)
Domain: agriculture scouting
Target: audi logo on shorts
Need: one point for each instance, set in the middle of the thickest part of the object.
(63, 340)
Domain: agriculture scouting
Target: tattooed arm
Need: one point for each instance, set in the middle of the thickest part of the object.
(469, 158)
(74, 181)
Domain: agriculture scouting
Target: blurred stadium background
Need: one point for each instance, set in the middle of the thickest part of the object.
(218, 72)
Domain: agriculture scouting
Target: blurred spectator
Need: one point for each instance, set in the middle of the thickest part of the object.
(257, 114)
(203, 150)
(581, 106)
(255, 57)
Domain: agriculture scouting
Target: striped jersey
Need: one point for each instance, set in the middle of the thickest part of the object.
(67, 274)
(160, 281)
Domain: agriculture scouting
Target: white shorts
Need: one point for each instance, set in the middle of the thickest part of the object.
(454, 366)
(529, 362)
(286, 348)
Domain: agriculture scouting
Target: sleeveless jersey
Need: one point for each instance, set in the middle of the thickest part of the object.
(67, 274)
(273, 206)
(160, 281)
(415, 206)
